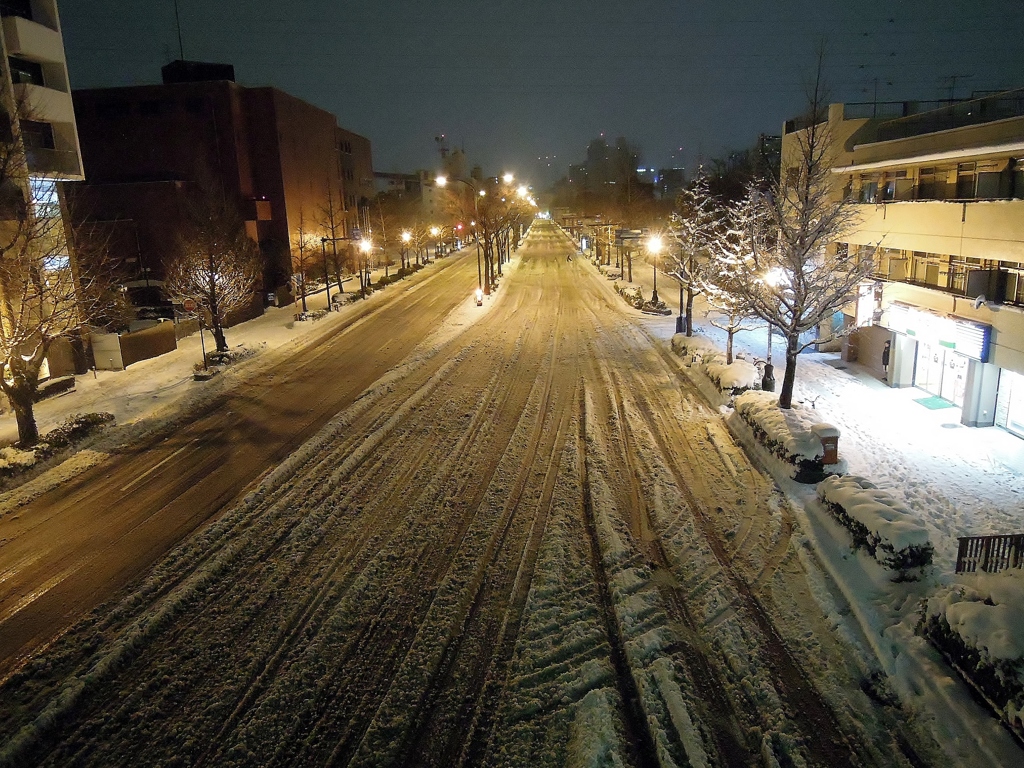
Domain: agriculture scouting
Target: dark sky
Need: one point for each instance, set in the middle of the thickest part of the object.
(515, 81)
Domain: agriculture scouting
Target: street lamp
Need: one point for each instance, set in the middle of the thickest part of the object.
(366, 246)
(654, 246)
(773, 279)
(406, 237)
(434, 232)
(508, 178)
(442, 181)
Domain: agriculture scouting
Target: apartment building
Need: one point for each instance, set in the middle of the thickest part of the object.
(939, 188)
(37, 112)
(36, 83)
(280, 158)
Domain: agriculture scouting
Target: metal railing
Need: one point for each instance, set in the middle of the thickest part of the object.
(990, 553)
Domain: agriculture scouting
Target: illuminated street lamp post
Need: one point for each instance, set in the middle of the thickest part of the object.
(366, 246)
(442, 181)
(773, 279)
(654, 246)
(434, 232)
(406, 237)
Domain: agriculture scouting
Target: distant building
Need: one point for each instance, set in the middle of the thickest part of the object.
(281, 158)
(670, 182)
(940, 192)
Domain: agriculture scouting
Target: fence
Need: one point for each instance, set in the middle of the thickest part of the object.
(990, 553)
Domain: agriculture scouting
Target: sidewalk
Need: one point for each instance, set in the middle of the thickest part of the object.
(149, 386)
(965, 481)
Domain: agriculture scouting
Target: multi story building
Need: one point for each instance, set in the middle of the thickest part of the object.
(36, 83)
(940, 192)
(282, 160)
(37, 126)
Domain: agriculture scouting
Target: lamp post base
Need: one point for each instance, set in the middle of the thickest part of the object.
(679, 324)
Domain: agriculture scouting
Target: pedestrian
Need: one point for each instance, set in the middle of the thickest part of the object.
(886, 350)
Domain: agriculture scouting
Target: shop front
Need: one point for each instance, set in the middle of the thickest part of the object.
(946, 349)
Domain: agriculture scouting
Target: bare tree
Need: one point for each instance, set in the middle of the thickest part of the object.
(695, 224)
(45, 292)
(721, 281)
(796, 278)
(303, 258)
(218, 265)
(332, 223)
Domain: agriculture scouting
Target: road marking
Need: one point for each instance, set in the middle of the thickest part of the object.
(155, 467)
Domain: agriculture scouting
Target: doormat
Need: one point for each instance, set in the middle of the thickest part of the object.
(934, 403)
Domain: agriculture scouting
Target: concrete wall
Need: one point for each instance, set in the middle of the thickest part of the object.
(984, 229)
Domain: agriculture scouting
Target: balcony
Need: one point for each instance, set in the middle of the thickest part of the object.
(32, 40)
(59, 163)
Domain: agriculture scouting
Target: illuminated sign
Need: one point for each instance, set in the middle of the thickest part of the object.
(964, 337)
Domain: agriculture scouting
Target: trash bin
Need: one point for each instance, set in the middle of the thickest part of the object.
(829, 437)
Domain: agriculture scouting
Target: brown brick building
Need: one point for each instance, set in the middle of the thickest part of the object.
(145, 147)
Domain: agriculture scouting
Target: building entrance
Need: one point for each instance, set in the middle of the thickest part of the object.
(941, 371)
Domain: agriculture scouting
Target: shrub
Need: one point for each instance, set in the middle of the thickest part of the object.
(996, 676)
(878, 523)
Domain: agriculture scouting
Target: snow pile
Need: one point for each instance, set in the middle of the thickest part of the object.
(879, 523)
(979, 628)
(792, 435)
(11, 459)
(693, 346)
(736, 377)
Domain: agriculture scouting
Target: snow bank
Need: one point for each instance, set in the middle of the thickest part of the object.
(690, 346)
(979, 627)
(792, 435)
(737, 377)
(879, 523)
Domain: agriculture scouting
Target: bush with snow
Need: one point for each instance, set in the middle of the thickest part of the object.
(880, 524)
(979, 628)
(12, 460)
(735, 378)
(792, 435)
(695, 348)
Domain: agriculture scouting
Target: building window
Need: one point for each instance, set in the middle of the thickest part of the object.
(932, 184)
(868, 191)
(37, 135)
(25, 71)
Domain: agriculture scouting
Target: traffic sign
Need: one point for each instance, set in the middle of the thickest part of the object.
(189, 305)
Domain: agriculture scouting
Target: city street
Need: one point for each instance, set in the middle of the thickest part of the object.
(521, 539)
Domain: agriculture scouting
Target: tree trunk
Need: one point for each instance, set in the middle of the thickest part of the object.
(218, 337)
(728, 346)
(789, 378)
(22, 401)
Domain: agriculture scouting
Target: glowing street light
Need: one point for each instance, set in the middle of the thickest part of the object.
(406, 237)
(654, 246)
(508, 178)
(366, 246)
(773, 279)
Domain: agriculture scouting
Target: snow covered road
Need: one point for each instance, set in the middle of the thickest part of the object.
(529, 542)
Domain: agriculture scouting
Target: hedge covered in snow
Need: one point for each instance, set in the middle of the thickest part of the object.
(980, 631)
(731, 379)
(792, 435)
(880, 524)
(14, 461)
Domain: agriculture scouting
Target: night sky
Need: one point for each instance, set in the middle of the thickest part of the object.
(515, 81)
